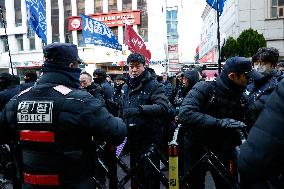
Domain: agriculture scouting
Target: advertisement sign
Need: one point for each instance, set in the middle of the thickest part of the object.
(208, 58)
(173, 54)
(110, 19)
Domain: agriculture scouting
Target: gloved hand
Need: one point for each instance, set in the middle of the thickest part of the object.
(230, 123)
(130, 112)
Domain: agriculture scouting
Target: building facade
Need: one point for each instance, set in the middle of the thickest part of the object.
(174, 12)
(63, 25)
(265, 16)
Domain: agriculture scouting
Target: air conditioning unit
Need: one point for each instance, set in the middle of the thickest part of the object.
(281, 12)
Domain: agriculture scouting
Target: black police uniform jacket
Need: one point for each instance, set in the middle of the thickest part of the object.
(54, 124)
(259, 90)
(150, 96)
(207, 102)
(261, 157)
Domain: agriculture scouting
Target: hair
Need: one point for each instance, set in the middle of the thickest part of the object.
(160, 79)
(86, 73)
(136, 57)
(100, 72)
(31, 75)
(266, 54)
(119, 77)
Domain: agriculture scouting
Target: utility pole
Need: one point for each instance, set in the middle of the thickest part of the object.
(218, 37)
(7, 42)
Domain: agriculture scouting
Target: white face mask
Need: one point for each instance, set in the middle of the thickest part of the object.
(263, 68)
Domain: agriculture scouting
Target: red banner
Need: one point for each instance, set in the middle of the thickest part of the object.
(135, 43)
(110, 19)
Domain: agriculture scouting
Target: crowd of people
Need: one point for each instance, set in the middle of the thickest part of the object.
(57, 120)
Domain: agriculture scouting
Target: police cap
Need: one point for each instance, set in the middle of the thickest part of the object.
(61, 54)
(240, 65)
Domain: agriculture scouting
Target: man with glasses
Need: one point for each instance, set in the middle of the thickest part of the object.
(210, 114)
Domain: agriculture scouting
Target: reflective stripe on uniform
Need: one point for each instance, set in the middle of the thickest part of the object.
(51, 180)
(37, 136)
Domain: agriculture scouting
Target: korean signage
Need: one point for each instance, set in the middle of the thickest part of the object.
(110, 19)
(173, 54)
(29, 64)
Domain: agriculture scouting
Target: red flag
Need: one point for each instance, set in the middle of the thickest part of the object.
(135, 43)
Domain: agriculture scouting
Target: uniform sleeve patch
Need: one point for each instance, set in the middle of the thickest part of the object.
(62, 89)
(35, 112)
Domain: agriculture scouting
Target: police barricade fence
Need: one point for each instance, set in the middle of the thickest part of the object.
(110, 161)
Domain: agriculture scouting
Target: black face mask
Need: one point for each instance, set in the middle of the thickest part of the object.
(99, 80)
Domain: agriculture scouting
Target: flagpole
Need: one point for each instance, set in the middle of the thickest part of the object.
(218, 37)
(7, 42)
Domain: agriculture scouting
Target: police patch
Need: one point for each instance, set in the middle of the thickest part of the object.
(35, 112)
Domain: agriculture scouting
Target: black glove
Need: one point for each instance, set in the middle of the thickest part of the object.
(230, 123)
(130, 112)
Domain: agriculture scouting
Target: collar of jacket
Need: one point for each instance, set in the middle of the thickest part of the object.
(227, 85)
(146, 78)
(57, 78)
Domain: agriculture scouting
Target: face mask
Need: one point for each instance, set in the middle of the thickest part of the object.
(264, 69)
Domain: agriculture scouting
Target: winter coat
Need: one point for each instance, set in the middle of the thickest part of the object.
(150, 97)
(54, 124)
(261, 157)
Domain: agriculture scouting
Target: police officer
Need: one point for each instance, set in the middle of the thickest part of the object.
(54, 122)
(210, 114)
(261, 157)
(258, 91)
(144, 104)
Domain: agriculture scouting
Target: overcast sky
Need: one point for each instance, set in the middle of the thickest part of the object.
(191, 27)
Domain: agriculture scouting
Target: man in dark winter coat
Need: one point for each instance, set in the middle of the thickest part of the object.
(189, 79)
(6, 81)
(261, 157)
(210, 114)
(144, 103)
(100, 79)
(87, 84)
(54, 123)
(265, 62)
(15, 87)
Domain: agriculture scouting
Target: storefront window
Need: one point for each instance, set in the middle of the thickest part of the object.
(143, 27)
(67, 13)
(55, 20)
(32, 40)
(19, 38)
(2, 4)
(18, 13)
(114, 31)
(126, 5)
(98, 6)
(4, 47)
(112, 5)
(80, 7)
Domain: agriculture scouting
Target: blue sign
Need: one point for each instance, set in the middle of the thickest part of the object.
(97, 33)
(212, 3)
(37, 18)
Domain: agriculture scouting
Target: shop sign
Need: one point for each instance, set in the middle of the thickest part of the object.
(27, 64)
(208, 58)
(110, 19)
